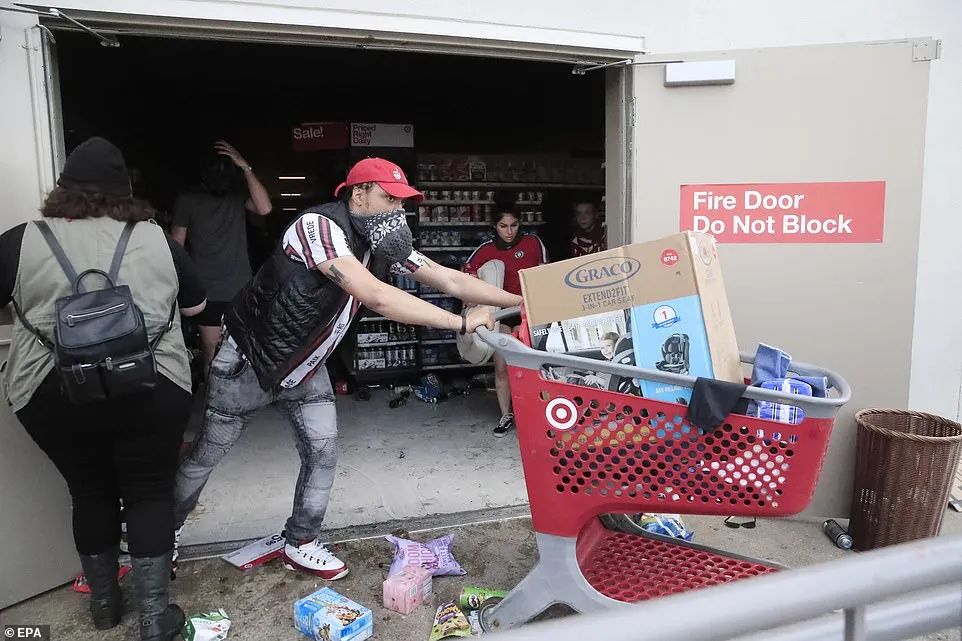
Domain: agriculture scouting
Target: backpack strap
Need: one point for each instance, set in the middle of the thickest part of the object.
(119, 252)
(43, 340)
(170, 323)
(58, 253)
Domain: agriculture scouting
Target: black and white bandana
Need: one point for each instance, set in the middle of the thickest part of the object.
(388, 234)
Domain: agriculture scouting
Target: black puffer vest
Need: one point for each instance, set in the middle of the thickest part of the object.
(281, 314)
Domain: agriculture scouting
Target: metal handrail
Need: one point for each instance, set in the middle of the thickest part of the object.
(788, 605)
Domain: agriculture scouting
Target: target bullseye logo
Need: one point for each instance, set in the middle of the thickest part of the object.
(561, 414)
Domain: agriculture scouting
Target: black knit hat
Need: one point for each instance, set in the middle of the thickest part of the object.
(96, 166)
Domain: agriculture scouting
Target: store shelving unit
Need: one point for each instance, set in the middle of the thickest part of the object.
(455, 184)
(433, 340)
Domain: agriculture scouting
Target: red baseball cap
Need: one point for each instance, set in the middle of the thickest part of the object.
(383, 172)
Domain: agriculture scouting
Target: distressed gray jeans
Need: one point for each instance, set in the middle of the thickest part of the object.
(233, 396)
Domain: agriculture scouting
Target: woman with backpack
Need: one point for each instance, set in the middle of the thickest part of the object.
(98, 373)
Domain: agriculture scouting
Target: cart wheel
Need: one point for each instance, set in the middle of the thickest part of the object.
(363, 394)
(484, 614)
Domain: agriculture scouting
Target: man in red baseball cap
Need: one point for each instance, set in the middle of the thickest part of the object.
(282, 327)
(386, 174)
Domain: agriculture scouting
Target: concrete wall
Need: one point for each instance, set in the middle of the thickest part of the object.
(700, 25)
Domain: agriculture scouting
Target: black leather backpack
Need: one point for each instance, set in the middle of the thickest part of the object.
(100, 342)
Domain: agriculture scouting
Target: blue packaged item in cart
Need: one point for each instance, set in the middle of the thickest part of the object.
(782, 412)
(666, 525)
(328, 616)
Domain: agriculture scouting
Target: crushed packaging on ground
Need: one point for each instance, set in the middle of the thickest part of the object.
(328, 616)
(435, 555)
(449, 622)
(207, 626)
(472, 597)
(409, 588)
(666, 525)
(257, 553)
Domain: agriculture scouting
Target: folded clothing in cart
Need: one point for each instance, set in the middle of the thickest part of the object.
(771, 371)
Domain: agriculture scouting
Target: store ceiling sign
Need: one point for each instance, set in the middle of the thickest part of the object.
(317, 136)
(822, 212)
(368, 134)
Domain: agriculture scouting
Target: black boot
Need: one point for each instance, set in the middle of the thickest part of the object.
(106, 602)
(159, 619)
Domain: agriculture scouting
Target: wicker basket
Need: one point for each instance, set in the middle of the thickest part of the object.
(904, 466)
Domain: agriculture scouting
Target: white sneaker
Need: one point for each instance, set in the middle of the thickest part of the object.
(314, 558)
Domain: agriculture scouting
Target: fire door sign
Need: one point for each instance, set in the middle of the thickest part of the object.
(823, 212)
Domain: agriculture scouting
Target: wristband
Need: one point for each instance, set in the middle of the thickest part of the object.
(464, 324)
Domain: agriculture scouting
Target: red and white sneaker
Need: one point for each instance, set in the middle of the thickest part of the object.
(314, 558)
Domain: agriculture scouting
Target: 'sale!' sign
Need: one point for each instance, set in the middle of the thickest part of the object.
(824, 212)
(317, 136)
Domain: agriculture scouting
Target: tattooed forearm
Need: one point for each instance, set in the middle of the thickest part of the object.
(335, 274)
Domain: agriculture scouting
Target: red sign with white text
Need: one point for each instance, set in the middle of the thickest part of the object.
(317, 136)
(829, 212)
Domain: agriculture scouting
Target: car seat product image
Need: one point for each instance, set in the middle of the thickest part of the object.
(674, 353)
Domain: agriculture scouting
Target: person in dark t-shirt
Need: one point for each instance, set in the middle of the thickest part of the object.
(590, 234)
(213, 221)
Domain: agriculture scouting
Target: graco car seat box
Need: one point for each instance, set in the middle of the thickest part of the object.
(659, 305)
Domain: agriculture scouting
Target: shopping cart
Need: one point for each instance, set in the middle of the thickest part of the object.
(589, 452)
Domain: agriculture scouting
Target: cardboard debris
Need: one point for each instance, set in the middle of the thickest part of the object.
(257, 553)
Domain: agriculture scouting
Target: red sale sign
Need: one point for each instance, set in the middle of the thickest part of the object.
(826, 212)
(317, 136)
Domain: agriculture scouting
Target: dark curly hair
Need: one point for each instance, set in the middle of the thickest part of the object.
(348, 191)
(73, 203)
(504, 205)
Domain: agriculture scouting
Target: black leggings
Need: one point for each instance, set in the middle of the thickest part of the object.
(125, 448)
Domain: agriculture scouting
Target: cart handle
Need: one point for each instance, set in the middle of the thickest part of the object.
(518, 354)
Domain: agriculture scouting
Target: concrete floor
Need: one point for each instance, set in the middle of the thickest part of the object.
(495, 554)
(394, 464)
(399, 468)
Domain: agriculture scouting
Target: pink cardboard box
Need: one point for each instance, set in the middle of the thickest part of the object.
(407, 589)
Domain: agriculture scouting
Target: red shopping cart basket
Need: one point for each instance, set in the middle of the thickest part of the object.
(588, 452)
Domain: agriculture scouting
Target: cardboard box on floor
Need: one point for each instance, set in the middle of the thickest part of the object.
(660, 304)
